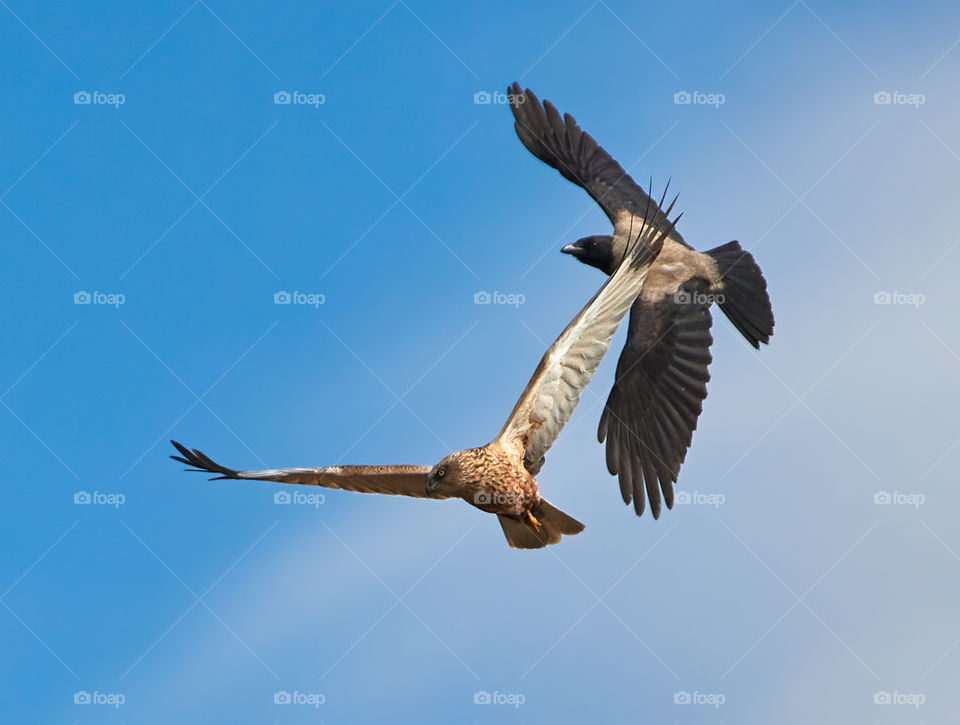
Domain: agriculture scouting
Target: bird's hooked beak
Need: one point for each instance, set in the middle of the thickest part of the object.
(431, 487)
(573, 249)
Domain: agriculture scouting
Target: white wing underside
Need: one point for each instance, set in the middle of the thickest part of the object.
(568, 366)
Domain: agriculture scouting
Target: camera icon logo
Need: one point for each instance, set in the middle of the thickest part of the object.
(81, 497)
(681, 698)
(81, 298)
(482, 98)
(882, 98)
(82, 697)
(81, 98)
(282, 497)
(882, 498)
(281, 298)
(482, 698)
(482, 298)
(682, 98)
(881, 698)
(882, 298)
(282, 697)
(682, 298)
(281, 98)
(483, 498)
(683, 497)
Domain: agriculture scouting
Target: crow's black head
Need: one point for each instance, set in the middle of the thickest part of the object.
(597, 251)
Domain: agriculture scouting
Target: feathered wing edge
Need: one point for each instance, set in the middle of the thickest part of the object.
(559, 142)
(391, 480)
(567, 367)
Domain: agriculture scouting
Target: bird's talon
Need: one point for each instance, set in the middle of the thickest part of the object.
(534, 522)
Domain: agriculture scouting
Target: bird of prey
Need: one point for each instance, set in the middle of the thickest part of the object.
(661, 378)
(498, 477)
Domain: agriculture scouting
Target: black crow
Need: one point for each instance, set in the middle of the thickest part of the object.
(661, 381)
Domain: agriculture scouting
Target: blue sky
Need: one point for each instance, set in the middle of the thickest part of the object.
(821, 581)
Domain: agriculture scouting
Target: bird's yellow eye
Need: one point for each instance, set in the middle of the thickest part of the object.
(441, 472)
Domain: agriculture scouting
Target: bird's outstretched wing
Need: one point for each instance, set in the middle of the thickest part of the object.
(391, 480)
(567, 367)
(661, 382)
(559, 142)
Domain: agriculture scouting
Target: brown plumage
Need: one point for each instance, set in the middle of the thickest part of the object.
(498, 478)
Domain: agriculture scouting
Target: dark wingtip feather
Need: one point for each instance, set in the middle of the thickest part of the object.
(639, 499)
(183, 449)
(200, 462)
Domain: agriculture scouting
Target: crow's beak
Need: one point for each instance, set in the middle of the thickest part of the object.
(572, 249)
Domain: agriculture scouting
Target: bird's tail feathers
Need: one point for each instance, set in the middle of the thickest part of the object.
(745, 300)
(554, 523)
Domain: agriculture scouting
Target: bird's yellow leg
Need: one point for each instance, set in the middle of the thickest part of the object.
(533, 521)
